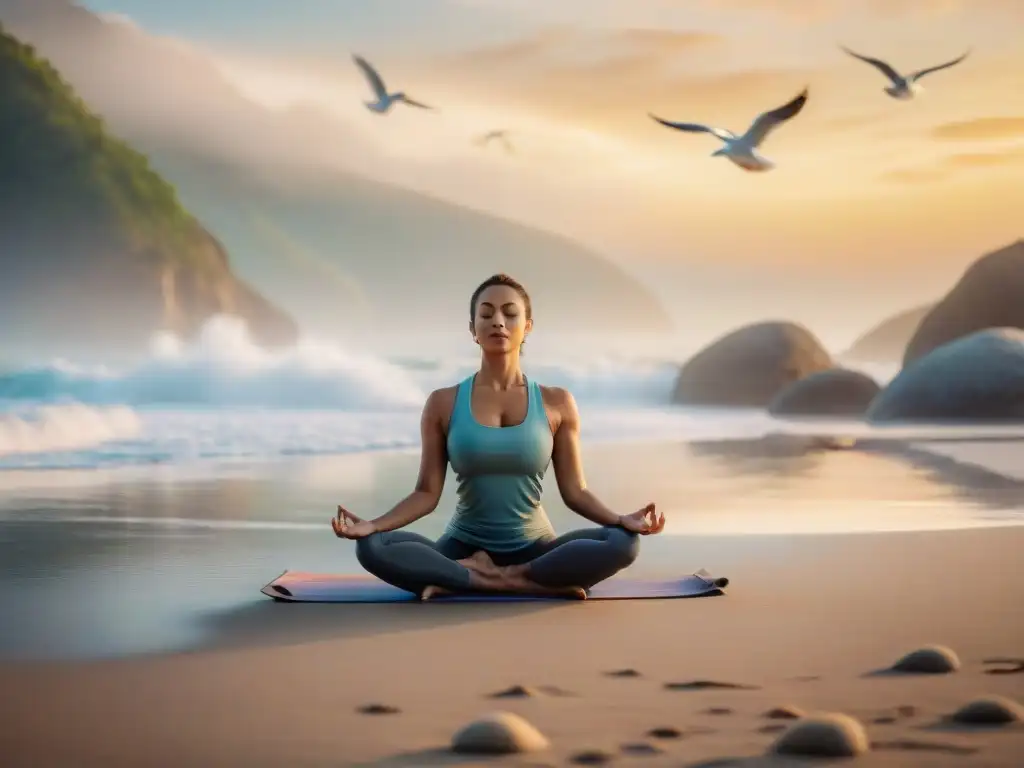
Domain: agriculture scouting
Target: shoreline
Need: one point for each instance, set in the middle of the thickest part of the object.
(163, 556)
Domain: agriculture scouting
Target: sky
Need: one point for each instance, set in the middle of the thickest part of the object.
(863, 185)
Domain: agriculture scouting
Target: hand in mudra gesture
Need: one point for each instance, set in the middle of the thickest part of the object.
(644, 521)
(348, 526)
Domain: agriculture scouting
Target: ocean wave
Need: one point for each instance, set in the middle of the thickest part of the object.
(64, 427)
(193, 436)
(223, 368)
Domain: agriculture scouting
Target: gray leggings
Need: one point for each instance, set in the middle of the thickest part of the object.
(581, 558)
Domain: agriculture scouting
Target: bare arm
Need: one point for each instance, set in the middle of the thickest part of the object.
(433, 465)
(569, 466)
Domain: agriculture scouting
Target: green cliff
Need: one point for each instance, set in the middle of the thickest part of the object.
(95, 247)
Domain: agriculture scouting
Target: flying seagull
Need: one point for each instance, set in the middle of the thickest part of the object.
(903, 87)
(742, 150)
(384, 99)
(500, 135)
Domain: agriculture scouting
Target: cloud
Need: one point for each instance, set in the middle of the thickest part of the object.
(981, 129)
(805, 11)
(530, 49)
(950, 165)
(610, 79)
(1011, 156)
(559, 42)
(914, 175)
(815, 11)
(857, 122)
(666, 42)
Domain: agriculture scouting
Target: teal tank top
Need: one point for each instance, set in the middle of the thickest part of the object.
(499, 471)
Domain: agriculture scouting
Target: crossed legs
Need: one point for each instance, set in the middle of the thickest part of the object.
(568, 564)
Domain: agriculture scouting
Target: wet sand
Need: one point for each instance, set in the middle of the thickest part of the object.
(806, 619)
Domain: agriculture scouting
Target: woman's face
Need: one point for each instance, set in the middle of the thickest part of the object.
(500, 324)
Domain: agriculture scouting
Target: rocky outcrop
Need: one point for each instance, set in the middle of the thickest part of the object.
(887, 341)
(990, 294)
(94, 246)
(750, 366)
(979, 377)
(835, 392)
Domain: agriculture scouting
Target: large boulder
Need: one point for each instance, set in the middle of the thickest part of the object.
(750, 366)
(979, 377)
(990, 294)
(887, 341)
(835, 392)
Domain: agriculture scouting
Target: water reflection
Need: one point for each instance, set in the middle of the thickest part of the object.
(140, 564)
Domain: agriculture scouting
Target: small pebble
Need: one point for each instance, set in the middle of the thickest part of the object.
(379, 709)
(497, 734)
(705, 685)
(665, 732)
(591, 757)
(830, 734)
(785, 712)
(628, 672)
(718, 711)
(929, 660)
(1006, 666)
(515, 692)
(641, 748)
(990, 710)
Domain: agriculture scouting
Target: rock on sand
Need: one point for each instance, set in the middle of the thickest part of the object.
(929, 660)
(830, 734)
(989, 710)
(498, 733)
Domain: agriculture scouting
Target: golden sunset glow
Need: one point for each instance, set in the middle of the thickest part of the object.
(858, 174)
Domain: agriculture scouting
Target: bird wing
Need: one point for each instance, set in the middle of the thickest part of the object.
(372, 77)
(413, 103)
(884, 67)
(766, 122)
(720, 133)
(922, 72)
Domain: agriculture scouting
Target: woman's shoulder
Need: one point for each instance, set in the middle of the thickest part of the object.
(557, 397)
(442, 399)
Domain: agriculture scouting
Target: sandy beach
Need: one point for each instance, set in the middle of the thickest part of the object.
(805, 633)
(807, 617)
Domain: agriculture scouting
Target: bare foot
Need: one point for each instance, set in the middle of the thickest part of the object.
(479, 562)
(430, 592)
(485, 576)
(516, 580)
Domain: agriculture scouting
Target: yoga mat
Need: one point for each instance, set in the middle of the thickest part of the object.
(302, 587)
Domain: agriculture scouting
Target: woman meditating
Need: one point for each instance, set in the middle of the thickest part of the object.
(500, 431)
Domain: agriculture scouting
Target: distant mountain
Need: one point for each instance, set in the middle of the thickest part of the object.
(95, 248)
(406, 260)
(886, 342)
(335, 249)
